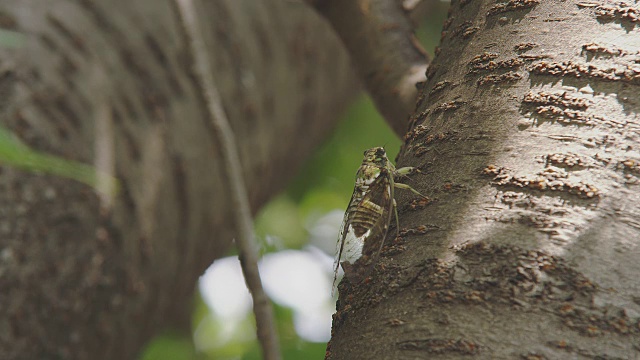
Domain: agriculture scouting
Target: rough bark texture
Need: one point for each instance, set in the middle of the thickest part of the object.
(111, 84)
(528, 247)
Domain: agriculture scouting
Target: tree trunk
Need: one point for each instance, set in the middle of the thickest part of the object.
(112, 84)
(527, 131)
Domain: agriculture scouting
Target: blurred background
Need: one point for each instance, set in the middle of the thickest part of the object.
(297, 231)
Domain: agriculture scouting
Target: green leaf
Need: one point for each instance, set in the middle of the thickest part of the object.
(280, 218)
(12, 39)
(169, 347)
(16, 154)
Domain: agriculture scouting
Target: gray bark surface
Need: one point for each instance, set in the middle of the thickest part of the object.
(111, 84)
(528, 247)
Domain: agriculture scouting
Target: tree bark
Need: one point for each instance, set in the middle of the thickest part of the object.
(527, 131)
(111, 84)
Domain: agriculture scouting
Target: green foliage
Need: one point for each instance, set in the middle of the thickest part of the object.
(296, 349)
(280, 220)
(11, 39)
(431, 26)
(169, 347)
(15, 153)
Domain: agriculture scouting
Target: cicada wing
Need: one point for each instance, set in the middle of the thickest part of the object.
(365, 223)
(349, 246)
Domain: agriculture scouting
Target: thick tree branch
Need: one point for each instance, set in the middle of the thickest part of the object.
(379, 37)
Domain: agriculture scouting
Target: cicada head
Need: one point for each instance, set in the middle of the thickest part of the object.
(374, 163)
(376, 156)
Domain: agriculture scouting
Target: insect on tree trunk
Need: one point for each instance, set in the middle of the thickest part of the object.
(527, 131)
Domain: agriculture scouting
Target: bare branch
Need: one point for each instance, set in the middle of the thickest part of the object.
(240, 202)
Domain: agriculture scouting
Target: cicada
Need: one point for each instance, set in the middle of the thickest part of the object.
(370, 210)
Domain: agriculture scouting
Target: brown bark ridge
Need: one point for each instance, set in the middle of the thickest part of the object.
(111, 84)
(527, 131)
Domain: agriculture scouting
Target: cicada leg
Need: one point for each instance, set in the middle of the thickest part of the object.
(407, 187)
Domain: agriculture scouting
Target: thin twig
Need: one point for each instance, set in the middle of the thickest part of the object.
(246, 242)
